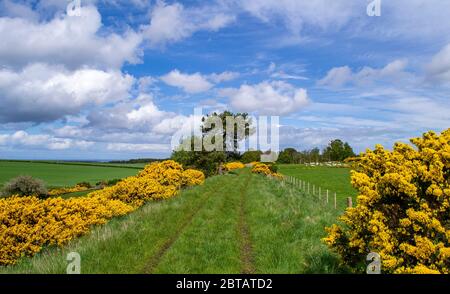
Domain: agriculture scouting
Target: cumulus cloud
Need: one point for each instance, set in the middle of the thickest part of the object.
(274, 98)
(223, 77)
(124, 147)
(196, 82)
(41, 93)
(13, 9)
(70, 41)
(170, 23)
(190, 83)
(24, 139)
(340, 76)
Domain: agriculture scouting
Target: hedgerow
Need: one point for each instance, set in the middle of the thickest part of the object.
(28, 223)
(403, 208)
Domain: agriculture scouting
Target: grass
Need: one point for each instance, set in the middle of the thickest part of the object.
(236, 223)
(331, 178)
(62, 174)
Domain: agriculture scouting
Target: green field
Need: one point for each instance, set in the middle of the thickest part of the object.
(336, 180)
(235, 223)
(65, 174)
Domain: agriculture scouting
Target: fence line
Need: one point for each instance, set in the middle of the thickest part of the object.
(305, 187)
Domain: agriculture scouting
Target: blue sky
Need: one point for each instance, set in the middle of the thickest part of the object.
(120, 79)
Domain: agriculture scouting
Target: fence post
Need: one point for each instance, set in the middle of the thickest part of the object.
(349, 202)
(327, 195)
(335, 203)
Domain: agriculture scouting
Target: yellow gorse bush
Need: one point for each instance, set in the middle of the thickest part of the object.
(233, 165)
(403, 208)
(264, 169)
(62, 191)
(28, 223)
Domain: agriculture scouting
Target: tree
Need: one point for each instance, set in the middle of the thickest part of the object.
(288, 155)
(221, 124)
(251, 156)
(338, 151)
(206, 161)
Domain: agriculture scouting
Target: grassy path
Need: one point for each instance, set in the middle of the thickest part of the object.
(155, 259)
(247, 260)
(235, 223)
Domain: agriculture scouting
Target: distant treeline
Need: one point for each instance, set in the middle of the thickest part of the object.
(337, 150)
(138, 160)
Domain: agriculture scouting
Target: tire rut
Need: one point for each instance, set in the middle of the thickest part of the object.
(154, 261)
(247, 257)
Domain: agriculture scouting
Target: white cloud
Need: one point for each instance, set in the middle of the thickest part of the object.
(24, 139)
(223, 77)
(197, 82)
(71, 41)
(124, 147)
(439, 67)
(172, 23)
(340, 76)
(296, 14)
(274, 98)
(11, 9)
(190, 83)
(41, 92)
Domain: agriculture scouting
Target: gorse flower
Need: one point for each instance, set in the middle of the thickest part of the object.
(28, 223)
(264, 169)
(62, 191)
(233, 165)
(403, 209)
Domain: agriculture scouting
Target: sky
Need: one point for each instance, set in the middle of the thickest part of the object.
(116, 79)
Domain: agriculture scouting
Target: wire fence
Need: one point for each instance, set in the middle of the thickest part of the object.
(323, 195)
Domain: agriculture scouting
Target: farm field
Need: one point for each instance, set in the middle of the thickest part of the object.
(56, 174)
(331, 178)
(235, 223)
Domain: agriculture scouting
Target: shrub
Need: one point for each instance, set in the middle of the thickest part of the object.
(207, 162)
(85, 185)
(251, 156)
(25, 186)
(403, 208)
(273, 168)
(233, 165)
(113, 182)
(28, 223)
(62, 191)
(264, 169)
(192, 177)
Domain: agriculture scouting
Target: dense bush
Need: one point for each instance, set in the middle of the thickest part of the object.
(265, 169)
(25, 186)
(251, 156)
(28, 223)
(233, 165)
(85, 184)
(273, 168)
(403, 208)
(207, 162)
